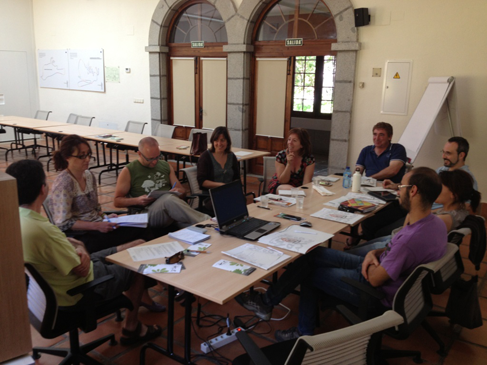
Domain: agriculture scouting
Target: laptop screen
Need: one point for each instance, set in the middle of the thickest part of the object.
(229, 203)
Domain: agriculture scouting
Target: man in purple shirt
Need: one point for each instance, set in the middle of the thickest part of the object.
(423, 240)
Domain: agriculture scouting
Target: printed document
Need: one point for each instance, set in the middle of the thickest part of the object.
(337, 216)
(157, 251)
(296, 238)
(262, 257)
(134, 220)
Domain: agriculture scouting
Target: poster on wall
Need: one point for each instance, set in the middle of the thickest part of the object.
(73, 69)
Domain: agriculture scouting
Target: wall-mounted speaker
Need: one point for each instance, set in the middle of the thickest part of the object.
(362, 17)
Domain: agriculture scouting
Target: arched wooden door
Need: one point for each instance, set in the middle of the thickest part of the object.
(293, 71)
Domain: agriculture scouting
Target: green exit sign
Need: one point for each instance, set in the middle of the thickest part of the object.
(291, 42)
(198, 44)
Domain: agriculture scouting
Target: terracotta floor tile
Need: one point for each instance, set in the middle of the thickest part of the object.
(466, 353)
(477, 336)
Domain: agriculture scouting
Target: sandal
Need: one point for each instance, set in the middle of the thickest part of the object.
(133, 337)
(154, 307)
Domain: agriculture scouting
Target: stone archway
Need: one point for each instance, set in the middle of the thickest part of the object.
(239, 25)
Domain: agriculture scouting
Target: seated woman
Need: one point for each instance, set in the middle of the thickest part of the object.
(295, 165)
(73, 201)
(218, 165)
(457, 191)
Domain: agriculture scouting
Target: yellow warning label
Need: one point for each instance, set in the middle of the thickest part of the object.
(396, 76)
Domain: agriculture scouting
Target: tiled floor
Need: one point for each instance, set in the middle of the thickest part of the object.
(465, 346)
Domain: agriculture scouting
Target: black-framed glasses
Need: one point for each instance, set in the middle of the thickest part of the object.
(150, 159)
(174, 259)
(82, 157)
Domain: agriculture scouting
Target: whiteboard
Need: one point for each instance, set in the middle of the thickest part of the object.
(425, 114)
(73, 69)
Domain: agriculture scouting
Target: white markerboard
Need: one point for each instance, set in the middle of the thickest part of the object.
(425, 114)
(73, 69)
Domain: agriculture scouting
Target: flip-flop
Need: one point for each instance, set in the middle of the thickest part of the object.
(154, 307)
(133, 337)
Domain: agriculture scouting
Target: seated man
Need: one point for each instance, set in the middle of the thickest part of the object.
(149, 173)
(64, 262)
(383, 159)
(422, 241)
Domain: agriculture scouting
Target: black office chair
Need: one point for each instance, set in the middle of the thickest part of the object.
(51, 320)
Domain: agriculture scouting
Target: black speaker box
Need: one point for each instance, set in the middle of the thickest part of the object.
(362, 17)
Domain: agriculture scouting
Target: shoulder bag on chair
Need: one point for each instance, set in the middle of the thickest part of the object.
(199, 144)
(463, 306)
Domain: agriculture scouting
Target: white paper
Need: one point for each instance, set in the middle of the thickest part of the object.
(337, 216)
(242, 153)
(368, 181)
(189, 236)
(262, 257)
(235, 267)
(288, 192)
(163, 269)
(328, 178)
(322, 191)
(296, 238)
(157, 251)
(134, 220)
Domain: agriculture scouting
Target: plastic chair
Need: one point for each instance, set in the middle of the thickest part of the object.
(82, 120)
(268, 173)
(197, 197)
(165, 130)
(351, 345)
(51, 320)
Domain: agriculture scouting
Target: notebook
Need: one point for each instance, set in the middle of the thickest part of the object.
(232, 215)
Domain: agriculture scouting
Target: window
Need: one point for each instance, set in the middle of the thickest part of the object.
(314, 81)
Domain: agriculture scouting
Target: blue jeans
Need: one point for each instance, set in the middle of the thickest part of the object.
(320, 269)
(375, 244)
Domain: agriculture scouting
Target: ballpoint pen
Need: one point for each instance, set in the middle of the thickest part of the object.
(174, 185)
(258, 206)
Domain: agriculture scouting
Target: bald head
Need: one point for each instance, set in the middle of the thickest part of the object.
(148, 142)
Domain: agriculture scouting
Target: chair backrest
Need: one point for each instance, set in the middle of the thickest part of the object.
(41, 302)
(446, 270)
(194, 130)
(348, 345)
(82, 120)
(72, 118)
(165, 130)
(135, 127)
(413, 302)
(45, 205)
(268, 172)
(194, 187)
(42, 114)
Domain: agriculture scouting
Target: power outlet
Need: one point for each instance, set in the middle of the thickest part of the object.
(220, 341)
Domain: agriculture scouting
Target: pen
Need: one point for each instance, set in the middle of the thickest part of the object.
(106, 217)
(197, 251)
(258, 206)
(174, 185)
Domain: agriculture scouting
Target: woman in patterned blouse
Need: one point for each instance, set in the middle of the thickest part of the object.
(295, 165)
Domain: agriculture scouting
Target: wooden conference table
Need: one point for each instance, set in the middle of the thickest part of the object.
(219, 286)
(130, 140)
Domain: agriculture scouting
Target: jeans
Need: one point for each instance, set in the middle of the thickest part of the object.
(375, 244)
(320, 269)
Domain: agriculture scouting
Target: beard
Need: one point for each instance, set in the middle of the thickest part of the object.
(405, 202)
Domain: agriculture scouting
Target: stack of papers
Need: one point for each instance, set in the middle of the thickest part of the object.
(337, 216)
(262, 257)
(189, 236)
(279, 200)
(296, 238)
(135, 220)
(157, 251)
(288, 192)
(322, 190)
(328, 178)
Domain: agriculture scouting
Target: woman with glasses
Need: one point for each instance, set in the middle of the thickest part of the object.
(74, 204)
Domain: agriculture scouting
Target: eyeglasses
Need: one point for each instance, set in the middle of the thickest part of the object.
(446, 153)
(403, 186)
(82, 157)
(150, 159)
(174, 259)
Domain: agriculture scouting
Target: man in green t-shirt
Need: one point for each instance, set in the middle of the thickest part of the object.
(65, 263)
(149, 173)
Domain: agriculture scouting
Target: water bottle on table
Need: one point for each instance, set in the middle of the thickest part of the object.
(347, 178)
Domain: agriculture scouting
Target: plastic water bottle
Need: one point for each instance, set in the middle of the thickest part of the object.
(347, 178)
(356, 181)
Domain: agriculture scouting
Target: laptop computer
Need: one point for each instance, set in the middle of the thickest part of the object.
(232, 215)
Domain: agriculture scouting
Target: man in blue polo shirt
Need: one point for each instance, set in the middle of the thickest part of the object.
(383, 159)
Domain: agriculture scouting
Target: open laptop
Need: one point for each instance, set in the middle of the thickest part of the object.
(231, 212)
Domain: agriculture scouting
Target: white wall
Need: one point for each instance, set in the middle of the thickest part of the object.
(442, 38)
(17, 44)
(121, 28)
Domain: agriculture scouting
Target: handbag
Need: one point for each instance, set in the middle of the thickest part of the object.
(463, 306)
(199, 143)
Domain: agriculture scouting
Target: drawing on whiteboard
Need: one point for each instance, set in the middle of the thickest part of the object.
(51, 69)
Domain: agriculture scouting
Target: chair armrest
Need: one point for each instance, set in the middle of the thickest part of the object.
(351, 317)
(364, 288)
(254, 352)
(89, 287)
(118, 212)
